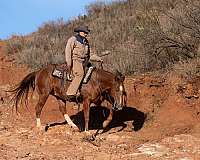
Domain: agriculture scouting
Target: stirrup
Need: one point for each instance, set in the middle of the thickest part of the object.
(69, 77)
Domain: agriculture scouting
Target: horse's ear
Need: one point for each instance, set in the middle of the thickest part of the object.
(122, 78)
(119, 76)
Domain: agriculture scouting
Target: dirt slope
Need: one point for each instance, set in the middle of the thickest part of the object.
(161, 121)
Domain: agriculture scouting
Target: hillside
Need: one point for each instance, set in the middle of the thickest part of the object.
(161, 121)
(142, 36)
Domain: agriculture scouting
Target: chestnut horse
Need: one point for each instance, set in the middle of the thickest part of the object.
(103, 85)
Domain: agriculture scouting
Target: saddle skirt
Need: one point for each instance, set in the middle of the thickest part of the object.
(64, 74)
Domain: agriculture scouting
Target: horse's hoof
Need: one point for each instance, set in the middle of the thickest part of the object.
(100, 131)
(40, 129)
(89, 138)
(105, 124)
(87, 133)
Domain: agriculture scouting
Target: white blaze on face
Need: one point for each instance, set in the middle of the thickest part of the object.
(121, 88)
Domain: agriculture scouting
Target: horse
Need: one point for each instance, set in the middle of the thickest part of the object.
(102, 86)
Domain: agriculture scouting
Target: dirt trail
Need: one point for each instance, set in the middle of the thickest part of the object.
(161, 122)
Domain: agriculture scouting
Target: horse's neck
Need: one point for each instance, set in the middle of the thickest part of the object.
(104, 78)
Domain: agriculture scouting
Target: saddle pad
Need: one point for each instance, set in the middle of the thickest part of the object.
(58, 73)
(61, 74)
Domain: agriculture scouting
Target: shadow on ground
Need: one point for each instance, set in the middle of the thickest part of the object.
(98, 114)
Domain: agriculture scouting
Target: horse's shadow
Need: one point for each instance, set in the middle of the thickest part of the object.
(98, 115)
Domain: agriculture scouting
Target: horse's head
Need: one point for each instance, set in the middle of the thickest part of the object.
(118, 91)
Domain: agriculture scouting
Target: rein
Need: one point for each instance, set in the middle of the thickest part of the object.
(109, 98)
(113, 102)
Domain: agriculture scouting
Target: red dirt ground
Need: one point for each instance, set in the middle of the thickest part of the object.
(160, 122)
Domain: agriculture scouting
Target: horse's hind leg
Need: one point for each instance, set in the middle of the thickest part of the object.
(38, 108)
(62, 109)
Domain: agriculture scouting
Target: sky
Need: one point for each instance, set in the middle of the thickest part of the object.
(22, 17)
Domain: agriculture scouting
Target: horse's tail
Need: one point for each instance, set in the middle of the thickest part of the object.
(21, 90)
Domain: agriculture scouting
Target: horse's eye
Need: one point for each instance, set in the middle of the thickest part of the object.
(117, 88)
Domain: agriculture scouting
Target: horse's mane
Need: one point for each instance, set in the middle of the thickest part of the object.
(104, 74)
(109, 74)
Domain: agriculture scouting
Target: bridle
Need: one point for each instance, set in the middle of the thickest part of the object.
(116, 106)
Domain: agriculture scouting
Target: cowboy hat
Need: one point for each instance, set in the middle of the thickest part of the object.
(82, 29)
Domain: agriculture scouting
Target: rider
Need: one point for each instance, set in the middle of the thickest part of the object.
(77, 54)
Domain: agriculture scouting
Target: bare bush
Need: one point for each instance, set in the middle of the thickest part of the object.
(143, 35)
(15, 44)
(188, 69)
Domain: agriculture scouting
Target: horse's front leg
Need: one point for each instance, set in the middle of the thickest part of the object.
(86, 110)
(109, 118)
(106, 122)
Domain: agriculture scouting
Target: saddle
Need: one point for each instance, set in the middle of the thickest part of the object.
(62, 72)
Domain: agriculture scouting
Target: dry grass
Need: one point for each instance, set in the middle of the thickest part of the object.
(188, 69)
(142, 35)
